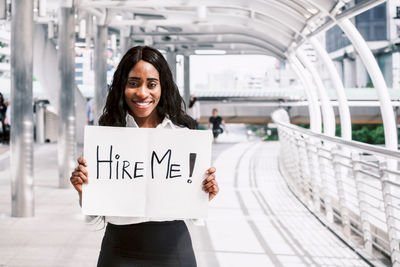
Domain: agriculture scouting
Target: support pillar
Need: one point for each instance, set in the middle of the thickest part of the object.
(100, 71)
(186, 77)
(89, 30)
(124, 41)
(375, 73)
(313, 105)
(349, 72)
(328, 115)
(66, 70)
(171, 59)
(40, 121)
(396, 70)
(22, 194)
(344, 110)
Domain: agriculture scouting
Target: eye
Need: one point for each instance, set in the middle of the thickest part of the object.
(132, 83)
(152, 85)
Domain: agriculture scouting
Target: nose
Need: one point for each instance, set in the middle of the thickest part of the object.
(142, 91)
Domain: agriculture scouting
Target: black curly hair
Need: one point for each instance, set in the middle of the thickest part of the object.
(171, 103)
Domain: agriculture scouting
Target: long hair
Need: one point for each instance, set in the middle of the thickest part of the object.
(171, 103)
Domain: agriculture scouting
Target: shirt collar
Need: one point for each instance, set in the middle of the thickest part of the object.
(166, 123)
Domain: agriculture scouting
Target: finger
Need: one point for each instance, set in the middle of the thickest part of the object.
(209, 178)
(83, 169)
(76, 180)
(209, 184)
(82, 161)
(211, 196)
(213, 189)
(211, 170)
(83, 177)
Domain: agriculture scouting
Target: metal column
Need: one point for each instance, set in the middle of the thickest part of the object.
(186, 77)
(22, 195)
(171, 59)
(66, 70)
(313, 105)
(375, 73)
(328, 114)
(344, 110)
(40, 121)
(124, 41)
(100, 71)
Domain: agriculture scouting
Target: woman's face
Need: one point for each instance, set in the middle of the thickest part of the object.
(143, 91)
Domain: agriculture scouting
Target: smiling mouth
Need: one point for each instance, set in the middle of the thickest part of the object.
(143, 104)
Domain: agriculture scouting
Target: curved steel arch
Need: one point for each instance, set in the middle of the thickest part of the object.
(223, 42)
(281, 38)
(266, 7)
(374, 71)
(250, 36)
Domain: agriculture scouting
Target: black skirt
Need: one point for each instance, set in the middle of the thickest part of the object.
(147, 244)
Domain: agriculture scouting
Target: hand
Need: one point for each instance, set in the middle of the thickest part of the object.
(210, 184)
(79, 175)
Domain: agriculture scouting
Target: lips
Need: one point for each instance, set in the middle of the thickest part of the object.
(142, 104)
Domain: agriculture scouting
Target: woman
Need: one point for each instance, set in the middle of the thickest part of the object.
(143, 94)
(3, 109)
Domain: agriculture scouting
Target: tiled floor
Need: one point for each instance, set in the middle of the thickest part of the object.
(254, 221)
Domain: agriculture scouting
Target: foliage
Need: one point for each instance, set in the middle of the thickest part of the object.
(267, 133)
(369, 84)
(366, 133)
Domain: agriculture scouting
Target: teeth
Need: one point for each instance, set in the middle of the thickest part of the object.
(142, 104)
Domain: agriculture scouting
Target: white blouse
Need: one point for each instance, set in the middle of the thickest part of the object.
(130, 122)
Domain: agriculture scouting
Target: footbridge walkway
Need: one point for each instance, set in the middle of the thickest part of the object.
(260, 218)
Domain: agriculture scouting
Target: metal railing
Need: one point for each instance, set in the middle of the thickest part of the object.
(352, 186)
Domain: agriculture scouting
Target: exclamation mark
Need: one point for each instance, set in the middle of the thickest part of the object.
(192, 161)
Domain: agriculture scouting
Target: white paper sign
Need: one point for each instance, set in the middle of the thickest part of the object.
(142, 172)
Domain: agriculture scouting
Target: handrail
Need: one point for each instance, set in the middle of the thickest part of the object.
(333, 178)
(355, 144)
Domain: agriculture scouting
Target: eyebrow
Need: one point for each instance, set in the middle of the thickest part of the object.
(138, 79)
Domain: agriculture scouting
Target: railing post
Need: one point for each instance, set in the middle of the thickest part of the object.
(295, 170)
(303, 174)
(325, 191)
(338, 169)
(363, 206)
(312, 156)
(392, 230)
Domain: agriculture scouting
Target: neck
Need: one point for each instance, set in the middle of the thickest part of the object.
(148, 122)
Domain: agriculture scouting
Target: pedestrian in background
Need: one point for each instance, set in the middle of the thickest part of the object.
(7, 123)
(194, 110)
(90, 111)
(3, 110)
(216, 121)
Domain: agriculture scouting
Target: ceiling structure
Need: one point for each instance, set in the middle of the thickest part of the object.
(269, 27)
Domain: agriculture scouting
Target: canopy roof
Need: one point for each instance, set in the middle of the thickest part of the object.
(270, 27)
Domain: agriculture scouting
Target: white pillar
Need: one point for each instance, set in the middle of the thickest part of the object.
(396, 70)
(349, 72)
(377, 78)
(361, 73)
(22, 192)
(171, 59)
(328, 115)
(344, 111)
(313, 105)
(66, 71)
(100, 71)
(186, 77)
(124, 40)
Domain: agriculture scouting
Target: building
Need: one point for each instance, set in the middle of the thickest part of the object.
(380, 27)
